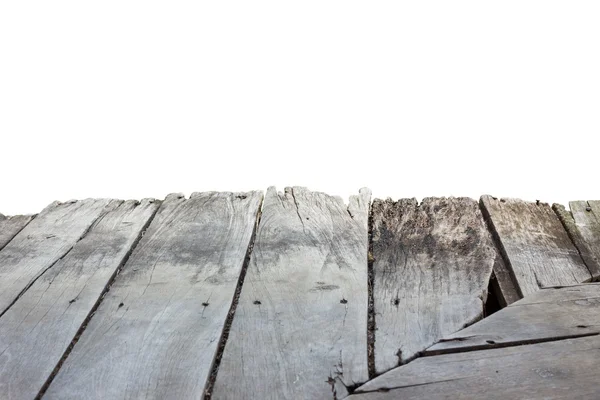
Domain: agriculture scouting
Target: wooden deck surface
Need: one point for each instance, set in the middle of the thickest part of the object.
(298, 295)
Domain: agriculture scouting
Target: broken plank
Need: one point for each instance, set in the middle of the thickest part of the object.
(10, 226)
(42, 243)
(432, 265)
(537, 248)
(37, 330)
(583, 227)
(566, 369)
(156, 332)
(545, 315)
(300, 327)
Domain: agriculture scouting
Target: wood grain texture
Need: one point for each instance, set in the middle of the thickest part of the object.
(583, 226)
(566, 369)
(37, 330)
(10, 226)
(300, 327)
(538, 250)
(156, 332)
(545, 315)
(432, 267)
(42, 243)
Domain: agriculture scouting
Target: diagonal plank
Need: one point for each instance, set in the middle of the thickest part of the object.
(432, 265)
(566, 369)
(536, 246)
(37, 330)
(583, 227)
(42, 243)
(10, 226)
(545, 315)
(300, 327)
(156, 332)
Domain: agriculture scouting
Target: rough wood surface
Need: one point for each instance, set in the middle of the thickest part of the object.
(432, 265)
(37, 330)
(545, 315)
(42, 243)
(538, 250)
(156, 332)
(300, 328)
(10, 226)
(583, 227)
(566, 369)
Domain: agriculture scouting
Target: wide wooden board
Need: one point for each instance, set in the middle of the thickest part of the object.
(583, 226)
(10, 226)
(432, 265)
(37, 330)
(536, 246)
(155, 334)
(566, 369)
(300, 327)
(545, 315)
(42, 243)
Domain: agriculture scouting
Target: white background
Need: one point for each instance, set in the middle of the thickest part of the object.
(133, 99)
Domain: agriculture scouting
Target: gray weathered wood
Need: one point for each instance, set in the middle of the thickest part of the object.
(10, 226)
(43, 242)
(542, 316)
(566, 369)
(156, 333)
(300, 327)
(583, 227)
(37, 330)
(432, 265)
(538, 250)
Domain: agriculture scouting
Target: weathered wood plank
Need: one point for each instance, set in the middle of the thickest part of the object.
(583, 227)
(10, 226)
(300, 328)
(42, 243)
(156, 332)
(37, 330)
(542, 316)
(432, 265)
(539, 252)
(566, 369)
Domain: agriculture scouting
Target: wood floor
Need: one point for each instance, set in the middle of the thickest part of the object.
(298, 295)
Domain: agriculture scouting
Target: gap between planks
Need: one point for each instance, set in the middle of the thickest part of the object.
(214, 370)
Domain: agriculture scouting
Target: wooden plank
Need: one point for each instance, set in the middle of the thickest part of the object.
(157, 330)
(583, 227)
(544, 315)
(300, 327)
(432, 265)
(538, 250)
(37, 330)
(42, 243)
(10, 226)
(566, 369)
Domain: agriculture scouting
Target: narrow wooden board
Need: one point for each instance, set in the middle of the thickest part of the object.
(42, 243)
(432, 265)
(537, 248)
(10, 226)
(583, 226)
(566, 369)
(545, 315)
(157, 330)
(300, 328)
(37, 330)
